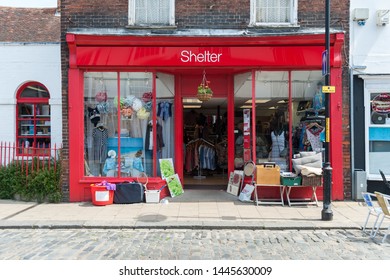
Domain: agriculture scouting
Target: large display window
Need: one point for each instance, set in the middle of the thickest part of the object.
(120, 137)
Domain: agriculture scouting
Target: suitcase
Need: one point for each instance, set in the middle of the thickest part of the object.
(129, 192)
(268, 173)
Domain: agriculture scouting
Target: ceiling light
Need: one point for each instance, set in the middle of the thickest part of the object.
(192, 106)
(257, 101)
(191, 100)
(246, 107)
(272, 108)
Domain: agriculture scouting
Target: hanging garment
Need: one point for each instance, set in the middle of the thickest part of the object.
(278, 146)
(314, 138)
(149, 137)
(164, 110)
(100, 139)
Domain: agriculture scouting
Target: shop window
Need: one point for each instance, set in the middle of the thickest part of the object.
(378, 133)
(273, 12)
(151, 12)
(289, 120)
(33, 119)
(121, 139)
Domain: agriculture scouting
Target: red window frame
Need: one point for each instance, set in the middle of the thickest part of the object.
(33, 126)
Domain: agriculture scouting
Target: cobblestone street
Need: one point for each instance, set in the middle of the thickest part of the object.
(186, 244)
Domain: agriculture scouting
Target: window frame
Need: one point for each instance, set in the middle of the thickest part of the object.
(32, 148)
(131, 15)
(293, 16)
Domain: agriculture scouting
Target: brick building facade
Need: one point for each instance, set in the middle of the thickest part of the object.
(206, 14)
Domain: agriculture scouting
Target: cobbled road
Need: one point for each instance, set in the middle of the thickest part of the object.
(189, 244)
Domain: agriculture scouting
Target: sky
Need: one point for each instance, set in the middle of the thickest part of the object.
(29, 3)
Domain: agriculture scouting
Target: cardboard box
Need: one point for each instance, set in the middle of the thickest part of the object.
(268, 174)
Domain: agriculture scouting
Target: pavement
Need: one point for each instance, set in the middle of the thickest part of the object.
(195, 209)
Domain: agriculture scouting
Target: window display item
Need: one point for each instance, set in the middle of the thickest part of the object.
(129, 192)
(137, 104)
(143, 114)
(94, 115)
(101, 96)
(147, 96)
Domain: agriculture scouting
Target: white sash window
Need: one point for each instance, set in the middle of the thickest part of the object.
(274, 12)
(151, 12)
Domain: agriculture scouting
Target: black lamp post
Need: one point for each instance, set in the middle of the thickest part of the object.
(327, 213)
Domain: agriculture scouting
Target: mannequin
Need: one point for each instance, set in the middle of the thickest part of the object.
(110, 164)
(318, 99)
(100, 139)
(278, 139)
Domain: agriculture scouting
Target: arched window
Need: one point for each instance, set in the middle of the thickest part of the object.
(33, 119)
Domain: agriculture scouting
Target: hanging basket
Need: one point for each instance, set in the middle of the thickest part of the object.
(204, 91)
(204, 96)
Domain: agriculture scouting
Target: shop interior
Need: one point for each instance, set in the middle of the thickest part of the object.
(205, 124)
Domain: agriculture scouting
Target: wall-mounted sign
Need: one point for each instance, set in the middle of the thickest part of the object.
(381, 103)
(328, 89)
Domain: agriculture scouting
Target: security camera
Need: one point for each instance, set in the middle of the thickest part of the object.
(361, 22)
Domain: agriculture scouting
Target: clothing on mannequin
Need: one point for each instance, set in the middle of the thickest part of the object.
(278, 144)
(318, 99)
(110, 164)
(100, 139)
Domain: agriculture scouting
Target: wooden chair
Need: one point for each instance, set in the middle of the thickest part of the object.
(384, 203)
(373, 210)
(387, 184)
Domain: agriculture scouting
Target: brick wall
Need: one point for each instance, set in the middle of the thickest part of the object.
(205, 14)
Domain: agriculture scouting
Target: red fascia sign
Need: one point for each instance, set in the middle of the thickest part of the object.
(174, 56)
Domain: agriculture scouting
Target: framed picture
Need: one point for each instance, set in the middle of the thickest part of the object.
(235, 182)
(166, 167)
(174, 185)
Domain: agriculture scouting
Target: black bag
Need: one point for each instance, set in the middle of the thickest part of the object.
(129, 192)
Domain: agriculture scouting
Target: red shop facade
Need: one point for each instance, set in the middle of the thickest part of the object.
(133, 101)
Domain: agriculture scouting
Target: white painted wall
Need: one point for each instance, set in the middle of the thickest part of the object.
(29, 3)
(21, 63)
(370, 44)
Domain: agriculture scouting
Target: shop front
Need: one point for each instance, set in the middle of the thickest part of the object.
(134, 106)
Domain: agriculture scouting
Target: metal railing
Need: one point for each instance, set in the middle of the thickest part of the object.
(33, 159)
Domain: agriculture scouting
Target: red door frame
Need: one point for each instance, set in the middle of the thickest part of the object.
(117, 53)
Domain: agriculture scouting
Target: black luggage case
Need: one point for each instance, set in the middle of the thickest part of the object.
(129, 192)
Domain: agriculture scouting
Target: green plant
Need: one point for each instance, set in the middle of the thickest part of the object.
(43, 185)
(11, 180)
(35, 181)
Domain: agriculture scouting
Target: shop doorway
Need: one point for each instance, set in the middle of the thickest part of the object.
(205, 143)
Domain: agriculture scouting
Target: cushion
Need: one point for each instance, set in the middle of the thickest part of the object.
(311, 171)
(309, 161)
(307, 154)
